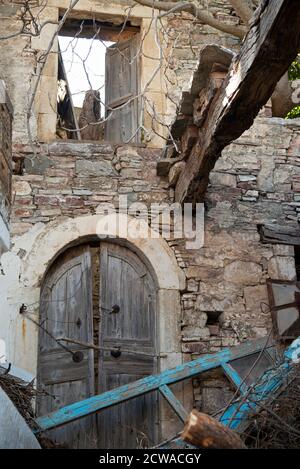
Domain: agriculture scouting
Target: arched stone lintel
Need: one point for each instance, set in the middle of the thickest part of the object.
(58, 235)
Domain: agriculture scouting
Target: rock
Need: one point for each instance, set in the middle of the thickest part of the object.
(21, 187)
(222, 179)
(282, 268)
(94, 168)
(244, 273)
(192, 333)
(254, 296)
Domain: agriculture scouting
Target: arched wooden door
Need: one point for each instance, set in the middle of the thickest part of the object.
(127, 288)
(112, 305)
(66, 311)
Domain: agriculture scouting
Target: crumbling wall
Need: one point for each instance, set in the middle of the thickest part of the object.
(187, 37)
(181, 40)
(256, 181)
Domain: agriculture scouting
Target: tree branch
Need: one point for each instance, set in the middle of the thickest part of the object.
(242, 9)
(203, 16)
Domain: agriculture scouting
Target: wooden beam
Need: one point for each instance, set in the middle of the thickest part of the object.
(269, 47)
(93, 404)
(174, 402)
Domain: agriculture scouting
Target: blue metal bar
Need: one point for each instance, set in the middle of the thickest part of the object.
(190, 369)
(234, 377)
(174, 402)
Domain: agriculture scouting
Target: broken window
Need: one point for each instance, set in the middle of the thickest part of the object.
(98, 82)
(284, 300)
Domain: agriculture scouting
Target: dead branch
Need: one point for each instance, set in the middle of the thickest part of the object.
(197, 12)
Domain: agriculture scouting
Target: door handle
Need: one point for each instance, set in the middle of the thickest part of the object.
(116, 353)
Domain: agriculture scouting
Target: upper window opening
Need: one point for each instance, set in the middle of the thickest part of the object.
(98, 82)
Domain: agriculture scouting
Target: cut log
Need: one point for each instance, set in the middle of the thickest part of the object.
(271, 44)
(206, 432)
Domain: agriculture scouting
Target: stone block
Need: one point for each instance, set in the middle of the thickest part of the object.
(244, 273)
(254, 296)
(94, 168)
(282, 268)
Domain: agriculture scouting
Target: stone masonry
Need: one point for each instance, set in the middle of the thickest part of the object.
(256, 181)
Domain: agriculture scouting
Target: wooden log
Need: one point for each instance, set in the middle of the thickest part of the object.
(175, 171)
(206, 432)
(189, 138)
(271, 44)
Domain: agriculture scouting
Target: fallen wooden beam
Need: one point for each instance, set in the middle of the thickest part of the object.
(204, 431)
(269, 47)
(108, 399)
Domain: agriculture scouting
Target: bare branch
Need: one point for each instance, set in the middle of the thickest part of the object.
(197, 12)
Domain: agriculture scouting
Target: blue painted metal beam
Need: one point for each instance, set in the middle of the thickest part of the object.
(174, 402)
(96, 403)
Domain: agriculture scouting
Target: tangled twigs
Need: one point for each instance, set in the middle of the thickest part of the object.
(21, 395)
(278, 424)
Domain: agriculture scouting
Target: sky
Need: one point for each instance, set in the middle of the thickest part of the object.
(94, 53)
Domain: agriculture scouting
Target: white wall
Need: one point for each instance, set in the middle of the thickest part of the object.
(15, 433)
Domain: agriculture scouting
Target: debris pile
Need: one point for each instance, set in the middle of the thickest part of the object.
(21, 394)
(277, 426)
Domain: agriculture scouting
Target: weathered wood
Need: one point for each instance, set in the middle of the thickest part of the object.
(126, 282)
(175, 171)
(270, 46)
(66, 308)
(276, 234)
(204, 431)
(238, 415)
(163, 166)
(121, 90)
(189, 138)
(150, 383)
(174, 402)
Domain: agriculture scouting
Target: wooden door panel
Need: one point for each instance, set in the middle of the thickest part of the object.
(132, 424)
(121, 86)
(59, 367)
(66, 311)
(126, 282)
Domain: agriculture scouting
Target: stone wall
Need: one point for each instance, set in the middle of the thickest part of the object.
(181, 46)
(256, 181)
(186, 38)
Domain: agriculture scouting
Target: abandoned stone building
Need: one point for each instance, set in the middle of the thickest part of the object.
(161, 302)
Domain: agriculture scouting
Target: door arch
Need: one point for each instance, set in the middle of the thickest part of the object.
(124, 316)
